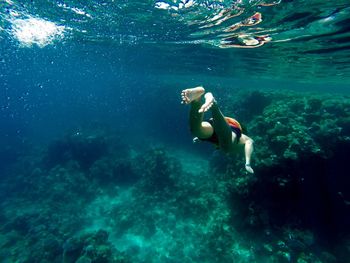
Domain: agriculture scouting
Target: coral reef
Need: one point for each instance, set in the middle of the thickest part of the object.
(83, 147)
(90, 198)
(302, 146)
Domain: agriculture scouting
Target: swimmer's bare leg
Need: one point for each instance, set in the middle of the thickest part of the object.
(198, 127)
(248, 150)
(221, 127)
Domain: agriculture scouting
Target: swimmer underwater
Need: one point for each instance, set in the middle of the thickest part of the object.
(223, 131)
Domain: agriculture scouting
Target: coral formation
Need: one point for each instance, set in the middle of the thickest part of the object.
(89, 198)
(301, 147)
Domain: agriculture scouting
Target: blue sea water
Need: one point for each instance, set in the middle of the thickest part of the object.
(92, 69)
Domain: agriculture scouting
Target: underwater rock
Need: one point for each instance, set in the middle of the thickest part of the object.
(158, 171)
(83, 259)
(91, 247)
(72, 248)
(112, 171)
(83, 149)
(243, 107)
(48, 249)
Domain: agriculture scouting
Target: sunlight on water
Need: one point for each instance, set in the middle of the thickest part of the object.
(36, 31)
(270, 35)
(77, 11)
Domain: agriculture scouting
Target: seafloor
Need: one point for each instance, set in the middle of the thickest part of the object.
(92, 197)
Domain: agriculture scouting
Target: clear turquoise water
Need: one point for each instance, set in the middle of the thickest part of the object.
(66, 65)
(309, 39)
(89, 55)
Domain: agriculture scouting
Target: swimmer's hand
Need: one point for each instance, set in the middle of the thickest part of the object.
(248, 168)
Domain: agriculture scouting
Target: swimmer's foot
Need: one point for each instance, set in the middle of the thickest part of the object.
(209, 101)
(189, 95)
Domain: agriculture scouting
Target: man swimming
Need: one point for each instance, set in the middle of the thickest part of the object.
(223, 131)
